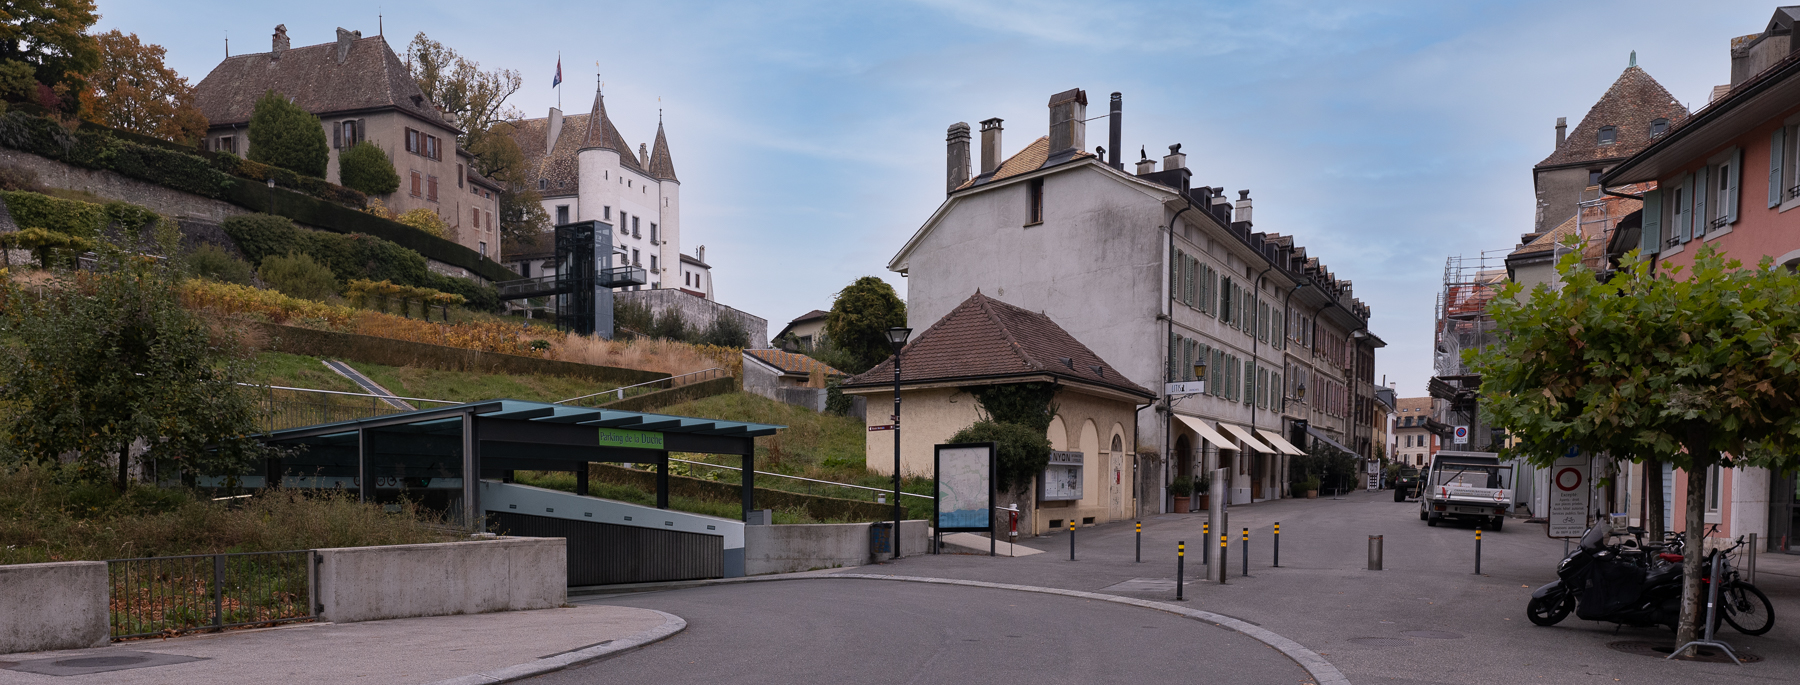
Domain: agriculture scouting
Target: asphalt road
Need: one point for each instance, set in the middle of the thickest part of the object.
(868, 631)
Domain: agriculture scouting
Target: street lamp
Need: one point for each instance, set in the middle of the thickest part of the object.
(897, 339)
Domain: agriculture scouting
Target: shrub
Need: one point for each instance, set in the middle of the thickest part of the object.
(214, 262)
(632, 315)
(366, 168)
(284, 135)
(16, 178)
(669, 325)
(1020, 452)
(425, 220)
(263, 235)
(268, 304)
(45, 244)
(725, 331)
(297, 275)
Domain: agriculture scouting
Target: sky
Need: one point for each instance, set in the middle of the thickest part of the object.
(809, 136)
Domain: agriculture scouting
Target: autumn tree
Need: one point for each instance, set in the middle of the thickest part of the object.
(860, 317)
(134, 91)
(498, 157)
(1698, 371)
(475, 98)
(49, 39)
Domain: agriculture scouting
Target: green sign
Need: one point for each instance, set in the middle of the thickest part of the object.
(643, 440)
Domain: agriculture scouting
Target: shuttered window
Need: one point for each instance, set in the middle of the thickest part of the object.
(1777, 151)
(415, 183)
(1651, 239)
(1699, 188)
(1175, 262)
(1729, 186)
(431, 188)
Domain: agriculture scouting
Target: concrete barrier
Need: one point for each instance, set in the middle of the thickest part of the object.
(803, 547)
(53, 606)
(399, 581)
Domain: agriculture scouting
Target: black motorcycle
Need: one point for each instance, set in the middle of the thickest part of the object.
(1620, 584)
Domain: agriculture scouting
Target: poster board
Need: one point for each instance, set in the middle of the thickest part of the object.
(1061, 479)
(964, 483)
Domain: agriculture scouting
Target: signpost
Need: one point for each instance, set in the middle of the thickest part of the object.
(1185, 388)
(1461, 435)
(1569, 487)
(965, 489)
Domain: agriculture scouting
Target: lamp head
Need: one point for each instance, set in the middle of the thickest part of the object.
(1300, 392)
(1200, 370)
(897, 336)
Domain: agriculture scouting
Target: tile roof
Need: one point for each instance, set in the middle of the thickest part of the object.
(986, 338)
(558, 166)
(1024, 161)
(370, 77)
(809, 316)
(1599, 220)
(662, 167)
(794, 363)
(1630, 105)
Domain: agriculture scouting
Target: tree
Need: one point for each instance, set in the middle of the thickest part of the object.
(366, 168)
(1019, 452)
(134, 91)
(498, 157)
(105, 358)
(476, 99)
(859, 319)
(1699, 372)
(50, 38)
(284, 135)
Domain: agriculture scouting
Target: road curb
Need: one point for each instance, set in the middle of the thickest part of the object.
(1322, 671)
(671, 625)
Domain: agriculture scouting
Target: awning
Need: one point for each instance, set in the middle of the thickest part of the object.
(1327, 439)
(1274, 438)
(1245, 435)
(1207, 432)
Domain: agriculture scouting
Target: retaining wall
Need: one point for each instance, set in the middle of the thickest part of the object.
(442, 579)
(373, 350)
(697, 312)
(803, 547)
(700, 488)
(53, 606)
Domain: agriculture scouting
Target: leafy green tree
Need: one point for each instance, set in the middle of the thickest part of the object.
(860, 318)
(106, 358)
(284, 135)
(366, 168)
(214, 262)
(1698, 371)
(476, 99)
(725, 331)
(49, 38)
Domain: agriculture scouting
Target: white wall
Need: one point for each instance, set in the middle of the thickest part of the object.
(53, 606)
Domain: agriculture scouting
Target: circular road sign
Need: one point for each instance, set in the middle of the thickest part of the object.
(1462, 432)
(1568, 479)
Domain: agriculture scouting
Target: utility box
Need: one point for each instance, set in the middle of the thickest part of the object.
(881, 538)
(760, 517)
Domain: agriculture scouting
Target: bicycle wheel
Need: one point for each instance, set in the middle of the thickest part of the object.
(1746, 608)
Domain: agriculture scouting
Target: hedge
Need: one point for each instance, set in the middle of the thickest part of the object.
(172, 166)
(352, 256)
(72, 217)
(819, 507)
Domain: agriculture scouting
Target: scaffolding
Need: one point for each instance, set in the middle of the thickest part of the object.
(1462, 321)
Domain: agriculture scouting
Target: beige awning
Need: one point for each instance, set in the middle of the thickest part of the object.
(1207, 432)
(1275, 439)
(1244, 435)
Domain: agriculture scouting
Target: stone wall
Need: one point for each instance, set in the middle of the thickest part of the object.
(53, 606)
(804, 547)
(442, 579)
(698, 313)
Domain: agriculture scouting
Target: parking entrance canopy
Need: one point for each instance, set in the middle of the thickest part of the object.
(439, 455)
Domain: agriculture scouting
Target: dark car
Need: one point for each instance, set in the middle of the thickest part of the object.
(1406, 483)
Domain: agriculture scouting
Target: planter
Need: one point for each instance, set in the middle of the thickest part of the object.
(1312, 494)
(1181, 505)
(1205, 502)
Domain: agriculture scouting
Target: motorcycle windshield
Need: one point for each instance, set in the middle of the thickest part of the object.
(1595, 537)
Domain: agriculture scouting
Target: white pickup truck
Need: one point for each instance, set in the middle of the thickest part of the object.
(1471, 486)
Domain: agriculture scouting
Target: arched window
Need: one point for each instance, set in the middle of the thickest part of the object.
(1657, 127)
(1608, 135)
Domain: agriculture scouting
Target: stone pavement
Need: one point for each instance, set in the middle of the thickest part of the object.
(472, 648)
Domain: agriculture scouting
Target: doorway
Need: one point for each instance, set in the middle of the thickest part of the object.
(1784, 512)
(1116, 486)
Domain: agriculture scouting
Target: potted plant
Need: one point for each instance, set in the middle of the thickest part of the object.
(1311, 485)
(1203, 493)
(1180, 489)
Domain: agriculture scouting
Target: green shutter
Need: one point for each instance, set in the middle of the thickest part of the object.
(1175, 261)
(1174, 344)
(1700, 188)
(1777, 151)
(1650, 236)
(1732, 176)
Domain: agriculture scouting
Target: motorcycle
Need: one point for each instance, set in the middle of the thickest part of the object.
(1620, 584)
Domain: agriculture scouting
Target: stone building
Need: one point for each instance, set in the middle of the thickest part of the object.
(361, 91)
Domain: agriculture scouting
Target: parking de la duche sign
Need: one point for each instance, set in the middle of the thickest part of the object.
(619, 437)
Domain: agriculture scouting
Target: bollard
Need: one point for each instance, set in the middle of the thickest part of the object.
(1180, 567)
(1071, 539)
(1277, 544)
(1140, 542)
(1223, 536)
(1205, 534)
(1750, 566)
(1245, 569)
(1478, 551)
(1374, 552)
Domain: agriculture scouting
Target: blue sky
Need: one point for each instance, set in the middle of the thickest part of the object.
(1385, 136)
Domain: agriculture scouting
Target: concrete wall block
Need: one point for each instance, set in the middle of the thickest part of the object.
(803, 547)
(53, 606)
(399, 581)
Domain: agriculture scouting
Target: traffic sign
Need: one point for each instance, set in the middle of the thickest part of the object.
(1462, 435)
(1569, 488)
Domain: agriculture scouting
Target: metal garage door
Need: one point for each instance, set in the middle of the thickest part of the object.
(606, 553)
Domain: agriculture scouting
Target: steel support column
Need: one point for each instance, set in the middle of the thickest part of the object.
(662, 480)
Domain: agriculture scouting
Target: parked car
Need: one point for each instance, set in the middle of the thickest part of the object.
(1406, 483)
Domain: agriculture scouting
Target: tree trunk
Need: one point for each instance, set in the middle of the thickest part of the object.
(124, 466)
(1653, 502)
(1695, 539)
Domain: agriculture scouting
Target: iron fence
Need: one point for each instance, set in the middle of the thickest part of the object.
(173, 595)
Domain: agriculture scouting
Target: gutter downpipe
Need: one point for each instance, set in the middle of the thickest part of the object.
(1168, 304)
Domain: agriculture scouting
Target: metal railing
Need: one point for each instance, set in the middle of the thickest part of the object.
(809, 481)
(619, 393)
(285, 407)
(622, 276)
(166, 596)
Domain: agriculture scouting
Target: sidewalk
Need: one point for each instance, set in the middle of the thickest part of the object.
(477, 648)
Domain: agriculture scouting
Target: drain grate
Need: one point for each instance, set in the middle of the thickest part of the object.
(1381, 641)
(98, 663)
(1662, 649)
(1433, 634)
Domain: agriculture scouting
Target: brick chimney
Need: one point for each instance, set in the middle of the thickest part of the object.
(1562, 131)
(990, 147)
(957, 157)
(1068, 126)
(1145, 164)
(280, 42)
(344, 39)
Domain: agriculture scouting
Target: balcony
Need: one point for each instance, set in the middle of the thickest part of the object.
(527, 287)
(623, 276)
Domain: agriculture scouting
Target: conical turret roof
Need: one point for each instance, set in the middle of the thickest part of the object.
(602, 134)
(662, 168)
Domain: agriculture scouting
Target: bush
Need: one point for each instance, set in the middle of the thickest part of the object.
(216, 263)
(1020, 452)
(297, 275)
(352, 256)
(632, 315)
(366, 168)
(284, 135)
(425, 220)
(725, 331)
(263, 235)
(15, 178)
(669, 325)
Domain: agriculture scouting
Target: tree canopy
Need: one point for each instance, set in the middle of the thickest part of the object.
(366, 168)
(859, 319)
(134, 91)
(475, 98)
(49, 39)
(285, 135)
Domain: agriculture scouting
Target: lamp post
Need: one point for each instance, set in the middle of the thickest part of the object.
(897, 339)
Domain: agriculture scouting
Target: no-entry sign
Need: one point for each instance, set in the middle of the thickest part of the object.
(1569, 489)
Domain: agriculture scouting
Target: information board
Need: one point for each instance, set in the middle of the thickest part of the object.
(1569, 487)
(1061, 479)
(965, 487)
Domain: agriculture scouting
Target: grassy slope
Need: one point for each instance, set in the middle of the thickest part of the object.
(298, 371)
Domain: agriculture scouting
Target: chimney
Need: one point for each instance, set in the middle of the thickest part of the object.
(1145, 164)
(1221, 206)
(553, 131)
(957, 157)
(1174, 160)
(1562, 131)
(1068, 128)
(1113, 132)
(700, 254)
(280, 41)
(644, 153)
(1243, 208)
(345, 38)
(990, 147)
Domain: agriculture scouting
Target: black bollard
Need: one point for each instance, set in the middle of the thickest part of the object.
(1277, 544)
(1205, 534)
(1478, 551)
(1180, 567)
(1246, 567)
(1224, 568)
(1140, 542)
(1071, 539)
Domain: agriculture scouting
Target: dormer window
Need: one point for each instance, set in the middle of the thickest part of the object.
(543, 184)
(1608, 135)
(1657, 127)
